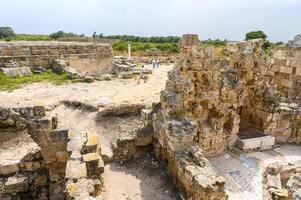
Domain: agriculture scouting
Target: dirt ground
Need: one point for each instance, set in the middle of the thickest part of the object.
(111, 92)
(143, 178)
(140, 179)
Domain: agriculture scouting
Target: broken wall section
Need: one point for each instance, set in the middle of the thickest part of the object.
(212, 92)
(276, 110)
(40, 173)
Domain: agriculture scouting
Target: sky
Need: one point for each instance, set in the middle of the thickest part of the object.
(216, 19)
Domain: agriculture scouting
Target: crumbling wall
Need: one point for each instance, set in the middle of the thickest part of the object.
(40, 174)
(208, 103)
(212, 91)
(82, 56)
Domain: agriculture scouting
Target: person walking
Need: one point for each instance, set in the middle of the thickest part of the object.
(154, 63)
(158, 63)
(94, 38)
(141, 76)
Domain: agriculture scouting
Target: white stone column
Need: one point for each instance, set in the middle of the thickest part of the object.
(129, 51)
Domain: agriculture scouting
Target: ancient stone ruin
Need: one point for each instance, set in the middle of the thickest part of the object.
(227, 128)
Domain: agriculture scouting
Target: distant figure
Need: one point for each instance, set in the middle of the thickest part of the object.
(158, 63)
(141, 74)
(94, 37)
(154, 63)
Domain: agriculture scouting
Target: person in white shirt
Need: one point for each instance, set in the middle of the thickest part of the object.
(141, 76)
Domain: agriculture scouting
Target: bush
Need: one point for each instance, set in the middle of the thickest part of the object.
(120, 46)
(6, 32)
(60, 34)
(131, 38)
(255, 35)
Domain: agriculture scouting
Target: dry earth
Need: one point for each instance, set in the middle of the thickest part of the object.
(116, 91)
(143, 178)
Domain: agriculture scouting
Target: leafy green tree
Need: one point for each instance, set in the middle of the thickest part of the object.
(255, 35)
(259, 34)
(6, 32)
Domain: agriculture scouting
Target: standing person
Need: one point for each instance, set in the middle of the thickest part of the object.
(141, 76)
(94, 37)
(158, 63)
(154, 63)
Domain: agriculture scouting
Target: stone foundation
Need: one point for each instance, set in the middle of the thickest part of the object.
(86, 57)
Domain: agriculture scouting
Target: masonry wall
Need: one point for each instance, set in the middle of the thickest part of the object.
(82, 56)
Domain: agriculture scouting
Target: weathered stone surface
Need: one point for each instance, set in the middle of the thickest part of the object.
(9, 167)
(16, 184)
(13, 72)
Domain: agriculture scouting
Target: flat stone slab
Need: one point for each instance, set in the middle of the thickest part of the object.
(18, 71)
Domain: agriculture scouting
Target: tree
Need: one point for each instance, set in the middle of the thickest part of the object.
(60, 34)
(255, 35)
(6, 32)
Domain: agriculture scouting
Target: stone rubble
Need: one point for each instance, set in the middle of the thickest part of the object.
(85, 166)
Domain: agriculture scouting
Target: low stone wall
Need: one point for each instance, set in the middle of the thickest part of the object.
(82, 56)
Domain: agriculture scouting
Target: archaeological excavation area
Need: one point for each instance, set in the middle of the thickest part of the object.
(203, 128)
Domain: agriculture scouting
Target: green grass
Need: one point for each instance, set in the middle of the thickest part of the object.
(11, 83)
(122, 46)
(28, 37)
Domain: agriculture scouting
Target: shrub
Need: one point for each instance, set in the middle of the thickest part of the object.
(6, 32)
(60, 34)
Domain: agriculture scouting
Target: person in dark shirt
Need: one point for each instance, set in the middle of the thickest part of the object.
(94, 37)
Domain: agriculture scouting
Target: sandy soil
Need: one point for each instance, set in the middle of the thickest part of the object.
(14, 149)
(140, 179)
(143, 178)
(116, 91)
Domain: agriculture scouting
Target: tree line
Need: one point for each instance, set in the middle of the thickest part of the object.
(169, 42)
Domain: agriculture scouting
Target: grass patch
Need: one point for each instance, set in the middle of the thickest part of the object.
(28, 37)
(11, 83)
(122, 46)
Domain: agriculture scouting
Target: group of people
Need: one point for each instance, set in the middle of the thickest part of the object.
(155, 63)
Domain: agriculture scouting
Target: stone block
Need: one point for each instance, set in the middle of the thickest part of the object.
(280, 62)
(16, 184)
(75, 169)
(298, 71)
(274, 181)
(9, 167)
(287, 83)
(267, 142)
(248, 144)
(57, 136)
(92, 161)
(286, 70)
(92, 141)
(19, 71)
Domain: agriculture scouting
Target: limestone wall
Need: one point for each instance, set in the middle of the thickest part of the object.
(82, 56)
(40, 173)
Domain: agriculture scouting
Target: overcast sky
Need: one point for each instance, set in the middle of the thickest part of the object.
(223, 19)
